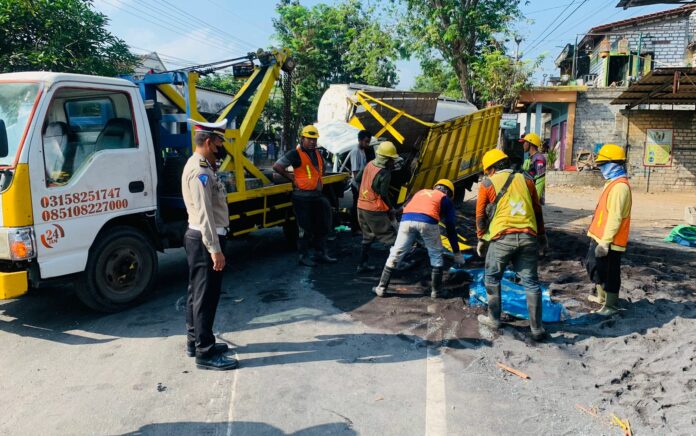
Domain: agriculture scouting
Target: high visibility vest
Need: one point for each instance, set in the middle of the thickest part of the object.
(307, 176)
(368, 199)
(514, 210)
(599, 220)
(427, 202)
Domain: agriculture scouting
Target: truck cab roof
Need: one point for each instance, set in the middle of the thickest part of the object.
(50, 78)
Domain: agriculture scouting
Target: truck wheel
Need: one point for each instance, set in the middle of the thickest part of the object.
(291, 232)
(121, 268)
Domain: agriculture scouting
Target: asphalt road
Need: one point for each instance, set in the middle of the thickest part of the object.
(319, 355)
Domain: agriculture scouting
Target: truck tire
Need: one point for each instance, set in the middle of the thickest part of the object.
(121, 269)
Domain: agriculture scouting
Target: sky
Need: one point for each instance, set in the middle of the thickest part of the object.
(185, 33)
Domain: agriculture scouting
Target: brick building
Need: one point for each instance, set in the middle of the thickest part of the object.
(601, 100)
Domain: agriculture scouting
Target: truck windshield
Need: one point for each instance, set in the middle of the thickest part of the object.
(16, 103)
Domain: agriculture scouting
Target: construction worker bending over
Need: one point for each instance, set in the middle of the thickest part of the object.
(609, 229)
(510, 224)
(312, 208)
(376, 213)
(422, 215)
(208, 218)
(535, 163)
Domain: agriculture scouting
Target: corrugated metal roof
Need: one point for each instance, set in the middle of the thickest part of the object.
(686, 9)
(635, 3)
(663, 86)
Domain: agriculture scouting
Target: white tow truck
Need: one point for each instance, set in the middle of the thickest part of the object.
(90, 175)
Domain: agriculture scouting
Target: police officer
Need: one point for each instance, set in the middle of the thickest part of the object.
(208, 218)
(312, 208)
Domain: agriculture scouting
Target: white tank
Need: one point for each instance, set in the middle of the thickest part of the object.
(334, 104)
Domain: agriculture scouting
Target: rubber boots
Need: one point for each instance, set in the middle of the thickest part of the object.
(436, 290)
(306, 260)
(322, 255)
(534, 307)
(381, 288)
(601, 296)
(363, 266)
(611, 305)
(492, 320)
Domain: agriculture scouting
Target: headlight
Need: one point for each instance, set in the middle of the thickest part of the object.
(17, 243)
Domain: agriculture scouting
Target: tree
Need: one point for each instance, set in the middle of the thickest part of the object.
(456, 30)
(497, 78)
(342, 43)
(224, 82)
(59, 35)
(438, 76)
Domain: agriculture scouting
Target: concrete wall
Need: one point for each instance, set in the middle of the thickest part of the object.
(595, 120)
(574, 178)
(681, 175)
(667, 38)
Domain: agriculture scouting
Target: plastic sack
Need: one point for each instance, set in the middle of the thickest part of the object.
(683, 235)
(514, 298)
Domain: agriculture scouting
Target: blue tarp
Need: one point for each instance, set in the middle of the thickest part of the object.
(514, 297)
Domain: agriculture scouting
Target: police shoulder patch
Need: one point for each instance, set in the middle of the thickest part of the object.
(204, 179)
(203, 163)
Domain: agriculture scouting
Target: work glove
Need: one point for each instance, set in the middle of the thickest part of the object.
(602, 249)
(481, 248)
(543, 244)
(459, 259)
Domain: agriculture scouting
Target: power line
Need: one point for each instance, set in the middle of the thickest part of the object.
(564, 20)
(574, 26)
(205, 23)
(172, 29)
(164, 54)
(552, 21)
(234, 14)
(548, 9)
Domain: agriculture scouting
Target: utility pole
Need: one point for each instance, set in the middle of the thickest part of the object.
(518, 40)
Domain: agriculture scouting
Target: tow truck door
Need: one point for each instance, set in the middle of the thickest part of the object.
(91, 162)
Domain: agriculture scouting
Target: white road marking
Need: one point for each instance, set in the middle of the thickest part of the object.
(435, 397)
(233, 394)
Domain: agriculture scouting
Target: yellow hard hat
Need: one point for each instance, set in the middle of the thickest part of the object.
(533, 139)
(492, 157)
(310, 132)
(447, 183)
(387, 149)
(610, 153)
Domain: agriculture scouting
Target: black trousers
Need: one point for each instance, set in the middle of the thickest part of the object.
(354, 224)
(313, 215)
(205, 285)
(605, 271)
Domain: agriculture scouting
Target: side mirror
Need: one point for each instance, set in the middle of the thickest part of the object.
(4, 150)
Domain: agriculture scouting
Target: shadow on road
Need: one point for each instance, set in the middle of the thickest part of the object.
(240, 428)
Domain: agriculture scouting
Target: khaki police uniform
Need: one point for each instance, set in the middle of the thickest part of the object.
(208, 218)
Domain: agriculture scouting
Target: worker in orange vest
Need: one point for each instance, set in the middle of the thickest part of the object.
(510, 220)
(376, 213)
(421, 217)
(312, 209)
(609, 229)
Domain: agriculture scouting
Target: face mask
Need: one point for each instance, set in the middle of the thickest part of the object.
(612, 170)
(221, 151)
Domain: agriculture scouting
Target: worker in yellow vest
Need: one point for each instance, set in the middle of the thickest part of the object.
(312, 209)
(376, 214)
(510, 223)
(421, 217)
(609, 229)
